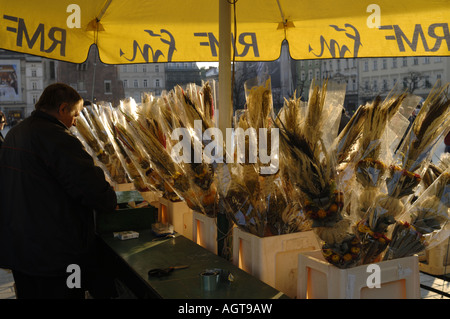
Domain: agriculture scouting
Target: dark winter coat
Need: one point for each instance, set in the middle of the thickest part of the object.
(49, 188)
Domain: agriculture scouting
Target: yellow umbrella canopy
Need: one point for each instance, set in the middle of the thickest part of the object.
(131, 31)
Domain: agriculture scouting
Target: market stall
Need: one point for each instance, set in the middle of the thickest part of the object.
(350, 196)
(360, 197)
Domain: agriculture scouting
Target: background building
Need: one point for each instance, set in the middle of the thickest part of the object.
(182, 73)
(22, 80)
(24, 77)
(142, 78)
(378, 76)
(94, 80)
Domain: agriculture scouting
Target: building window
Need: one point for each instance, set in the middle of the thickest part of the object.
(82, 67)
(366, 65)
(302, 76)
(317, 74)
(385, 85)
(136, 83)
(35, 98)
(33, 73)
(394, 82)
(426, 60)
(384, 64)
(135, 68)
(124, 68)
(310, 75)
(375, 64)
(157, 83)
(81, 86)
(394, 63)
(34, 85)
(405, 61)
(366, 85)
(375, 85)
(144, 83)
(144, 68)
(157, 68)
(416, 61)
(108, 87)
(125, 83)
(438, 59)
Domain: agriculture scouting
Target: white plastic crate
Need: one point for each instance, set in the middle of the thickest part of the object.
(436, 261)
(318, 279)
(177, 214)
(272, 259)
(204, 231)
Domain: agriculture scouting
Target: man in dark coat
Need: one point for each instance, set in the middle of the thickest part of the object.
(49, 189)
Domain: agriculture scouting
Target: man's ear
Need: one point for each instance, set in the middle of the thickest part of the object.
(63, 108)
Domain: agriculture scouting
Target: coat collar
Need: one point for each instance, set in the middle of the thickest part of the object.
(41, 114)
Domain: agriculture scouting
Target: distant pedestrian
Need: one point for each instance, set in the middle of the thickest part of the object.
(2, 126)
(345, 118)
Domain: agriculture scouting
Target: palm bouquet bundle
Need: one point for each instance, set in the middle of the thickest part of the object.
(255, 195)
(142, 167)
(307, 162)
(105, 117)
(370, 169)
(370, 164)
(154, 126)
(431, 173)
(346, 145)
(101, 150)
(86, 135)
(426, 221)
(404, 174)
(195, 110)
(307, 132)
(147, 125)
(248, 194)
(139, 128)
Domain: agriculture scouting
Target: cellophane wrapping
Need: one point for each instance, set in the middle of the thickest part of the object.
(99, 146)
(256, 196)
(308, 131)
(425, 222)
(370, 166)
(105, 117)
(150, 133)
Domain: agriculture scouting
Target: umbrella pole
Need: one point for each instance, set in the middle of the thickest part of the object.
(225, 105)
